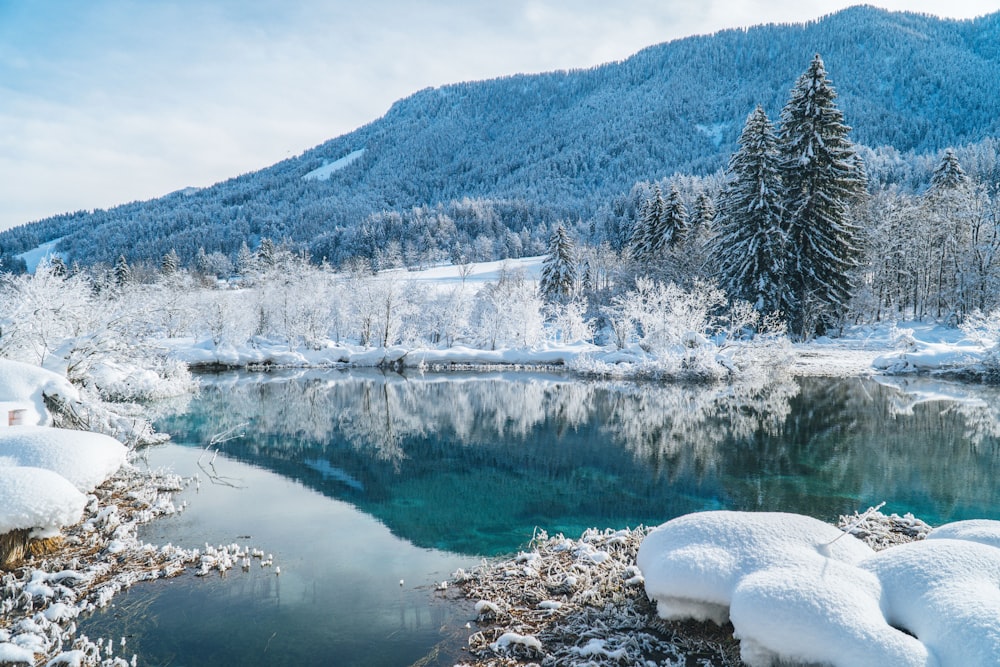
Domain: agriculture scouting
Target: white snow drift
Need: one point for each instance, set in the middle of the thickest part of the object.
(797, 589)
(45, 472)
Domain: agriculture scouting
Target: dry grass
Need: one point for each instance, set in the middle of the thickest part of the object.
(17, 545)
(584, 603)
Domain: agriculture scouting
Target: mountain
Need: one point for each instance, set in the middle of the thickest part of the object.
(494, 163)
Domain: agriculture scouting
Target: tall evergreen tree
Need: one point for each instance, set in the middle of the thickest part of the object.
(558, 269)
(648, 227)
(821, 177)
(948, 174)
(702, 217)
(673, 225)
(122, 272)
(171, 263)
(749, 246)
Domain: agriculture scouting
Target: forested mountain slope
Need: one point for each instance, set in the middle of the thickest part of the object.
(501, 160)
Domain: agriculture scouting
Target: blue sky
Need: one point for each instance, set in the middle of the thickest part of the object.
(108, 101)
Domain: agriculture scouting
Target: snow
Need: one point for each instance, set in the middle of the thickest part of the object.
(46, 251)
(798, 590)
(475, 274)
(83, 458)
(24, 383)
(323, 173)
(45, 471)
(14, 654)
(37, 499)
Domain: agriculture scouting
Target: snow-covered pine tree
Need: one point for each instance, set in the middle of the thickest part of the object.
(821, 177)
(702, 218)
(171, 263)
(558, 277)
(948, 174)
(749, 246)
(122, 272)
(648, 226)
(673, 225)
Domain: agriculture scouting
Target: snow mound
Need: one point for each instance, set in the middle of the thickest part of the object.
(790, 584)
(983, 531)
(37, 499)
(27, 384)
(946, 592)
(83, 458)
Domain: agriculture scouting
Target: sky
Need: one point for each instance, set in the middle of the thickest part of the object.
(103, 102)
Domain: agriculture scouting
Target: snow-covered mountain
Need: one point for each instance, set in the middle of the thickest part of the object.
(496, 162)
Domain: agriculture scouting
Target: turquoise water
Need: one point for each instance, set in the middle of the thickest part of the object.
(357, 481)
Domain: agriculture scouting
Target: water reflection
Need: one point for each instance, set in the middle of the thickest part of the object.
(473, 463)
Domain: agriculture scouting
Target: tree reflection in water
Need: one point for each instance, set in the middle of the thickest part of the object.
(474, 462)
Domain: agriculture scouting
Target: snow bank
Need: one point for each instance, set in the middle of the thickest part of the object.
(925, 348)
(799, 590)
(27, 384)
(84, 458)
(39, 500)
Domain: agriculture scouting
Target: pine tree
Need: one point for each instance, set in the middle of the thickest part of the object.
(558, 269)
(58, 267)
(702, 217)
(749, 246)
(171, 263)
(948, 174)
(821, 177)
(673, 226)
(123, 272)
(648, 227)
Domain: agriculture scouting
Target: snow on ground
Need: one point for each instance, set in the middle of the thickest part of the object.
(323, 173)
(45, 471)
(476, 274)
(38, 500)
(34, 256)
(84, 458)
(799, 590)
(25, 384)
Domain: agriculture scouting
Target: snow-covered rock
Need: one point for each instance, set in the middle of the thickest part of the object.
(84, 458)
(39, 500)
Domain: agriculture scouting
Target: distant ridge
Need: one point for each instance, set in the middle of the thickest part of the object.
(516, 153)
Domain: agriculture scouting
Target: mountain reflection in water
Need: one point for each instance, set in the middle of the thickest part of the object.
(474, 463)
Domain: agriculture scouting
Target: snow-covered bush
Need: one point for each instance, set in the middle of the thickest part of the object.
(668, 317)
(568, 324)
(508, 313)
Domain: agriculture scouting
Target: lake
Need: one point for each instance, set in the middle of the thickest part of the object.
(370, 489)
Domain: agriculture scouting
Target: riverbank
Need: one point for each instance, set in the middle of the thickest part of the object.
(566, 602)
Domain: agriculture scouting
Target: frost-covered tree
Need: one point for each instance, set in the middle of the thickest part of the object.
(123, 272)
(507, 313)
(171, 263)
(558, 278)
(673, 225)
(822, 178)
(948, 175)
(648, 227)
(750, 246)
